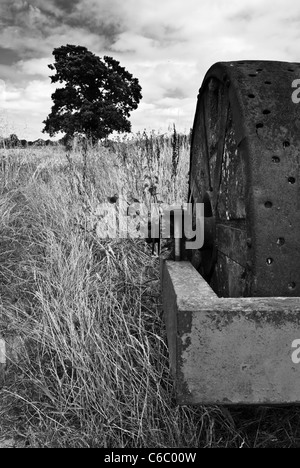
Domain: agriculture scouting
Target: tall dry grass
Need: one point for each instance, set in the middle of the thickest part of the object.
(90, 366)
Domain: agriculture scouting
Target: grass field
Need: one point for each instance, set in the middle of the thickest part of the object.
(90, 362)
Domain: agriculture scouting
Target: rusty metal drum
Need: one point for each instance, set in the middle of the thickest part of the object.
(245, 168)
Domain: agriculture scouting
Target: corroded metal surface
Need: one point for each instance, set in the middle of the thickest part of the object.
(229, 350)
(245, 159)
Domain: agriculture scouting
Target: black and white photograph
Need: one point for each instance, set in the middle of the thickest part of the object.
(149, 226)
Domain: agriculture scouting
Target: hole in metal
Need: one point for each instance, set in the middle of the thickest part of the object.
(291, 180)
(268, 204)
(259, 125)
(259, 69)
(292, 285)
(251, 96)
(280, 241)
(291, 69)
(266, 111)
(268, 82)
(252, 74)
(276, 159)
(286, 144)
(269, 261)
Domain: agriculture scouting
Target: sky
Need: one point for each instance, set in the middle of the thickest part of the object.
(167, 44)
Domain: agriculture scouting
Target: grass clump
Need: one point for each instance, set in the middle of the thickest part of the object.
(82, 315)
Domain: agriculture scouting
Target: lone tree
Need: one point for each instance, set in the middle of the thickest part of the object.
(97, 98)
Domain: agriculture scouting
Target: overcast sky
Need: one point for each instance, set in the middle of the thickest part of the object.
(167, 44)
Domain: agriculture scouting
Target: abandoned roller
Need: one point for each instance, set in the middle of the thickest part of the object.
(232, 311)
(245, 168)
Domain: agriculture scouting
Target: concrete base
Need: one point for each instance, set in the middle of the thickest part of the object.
(229, 350)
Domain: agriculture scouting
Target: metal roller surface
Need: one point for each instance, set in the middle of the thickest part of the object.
(245, 168)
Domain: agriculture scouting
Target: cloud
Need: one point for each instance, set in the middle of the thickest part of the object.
(175, 93)
(32, 98)
(167, 45)
(67, 6)
(25, 108)
(38, 66)
(9, 56)
(2, 92)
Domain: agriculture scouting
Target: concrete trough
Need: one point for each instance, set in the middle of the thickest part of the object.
(229, 350)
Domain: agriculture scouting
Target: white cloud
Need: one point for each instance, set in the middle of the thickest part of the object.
(26, 108)
(172, 46)
(34, 96)
(35, 66)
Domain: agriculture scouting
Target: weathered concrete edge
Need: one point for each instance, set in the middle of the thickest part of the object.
(193, 293)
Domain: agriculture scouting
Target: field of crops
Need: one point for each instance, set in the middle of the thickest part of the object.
(90, 366)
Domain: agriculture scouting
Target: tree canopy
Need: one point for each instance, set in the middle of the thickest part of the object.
(97, 97)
